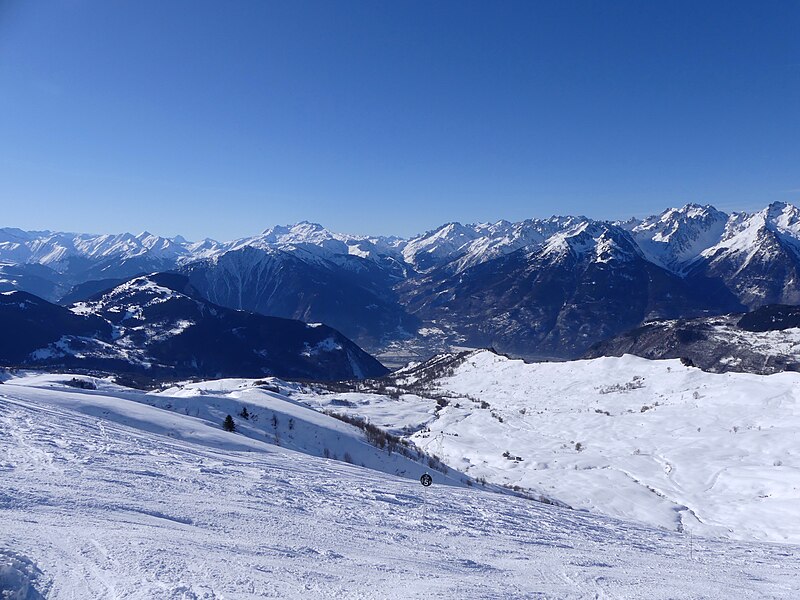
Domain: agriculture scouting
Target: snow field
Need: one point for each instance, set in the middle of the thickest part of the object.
(105, 497)
(652, 441)
(273, 419)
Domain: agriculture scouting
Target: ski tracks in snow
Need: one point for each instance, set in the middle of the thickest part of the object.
(105, 510)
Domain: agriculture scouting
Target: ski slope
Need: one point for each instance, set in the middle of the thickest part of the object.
(106, 496)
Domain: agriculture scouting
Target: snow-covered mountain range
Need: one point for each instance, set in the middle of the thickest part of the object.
(539, 287)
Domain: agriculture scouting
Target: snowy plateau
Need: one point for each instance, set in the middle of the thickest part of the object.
(653, 480)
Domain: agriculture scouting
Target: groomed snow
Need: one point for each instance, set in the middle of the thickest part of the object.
(104, 497)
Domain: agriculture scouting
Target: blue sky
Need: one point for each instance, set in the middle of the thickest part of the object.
(220, 119)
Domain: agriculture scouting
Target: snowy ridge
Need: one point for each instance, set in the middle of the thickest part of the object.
(759, 256)
(54, 249)
(743, 233)
(673, 239)
(463, 246)
(315, 242)
(445, 242)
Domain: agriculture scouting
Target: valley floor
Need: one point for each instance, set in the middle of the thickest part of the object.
(102, 497)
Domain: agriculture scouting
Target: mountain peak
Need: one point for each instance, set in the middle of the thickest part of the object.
(300, 232)
(690, 211)
(678, 236)
(778, 204)
(308, 226)
(311, 223)
(604, 241)
(782, 213)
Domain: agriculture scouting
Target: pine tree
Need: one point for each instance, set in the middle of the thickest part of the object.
(244, 414)
(228, 424)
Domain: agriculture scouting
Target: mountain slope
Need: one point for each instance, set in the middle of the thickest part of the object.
(67, 259)
(758, 257)
(29, 324)
(766, 340)
(454, 247)
(156, 326)
(33, 278)
(107, 498)
(677, 237)
(583, 285)
(355, 298)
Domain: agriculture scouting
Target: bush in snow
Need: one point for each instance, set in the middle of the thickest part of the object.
(80, 383)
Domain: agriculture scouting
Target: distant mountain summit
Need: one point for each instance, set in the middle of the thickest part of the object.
(538, 288)
(678, 236)
(459, 246)
(758, 256)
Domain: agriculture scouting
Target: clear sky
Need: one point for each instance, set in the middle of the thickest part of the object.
(219, 119)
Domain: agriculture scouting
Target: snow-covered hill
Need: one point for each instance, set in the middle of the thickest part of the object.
(158, 327)
(651, 441)
(106, 496)
(261, 409)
